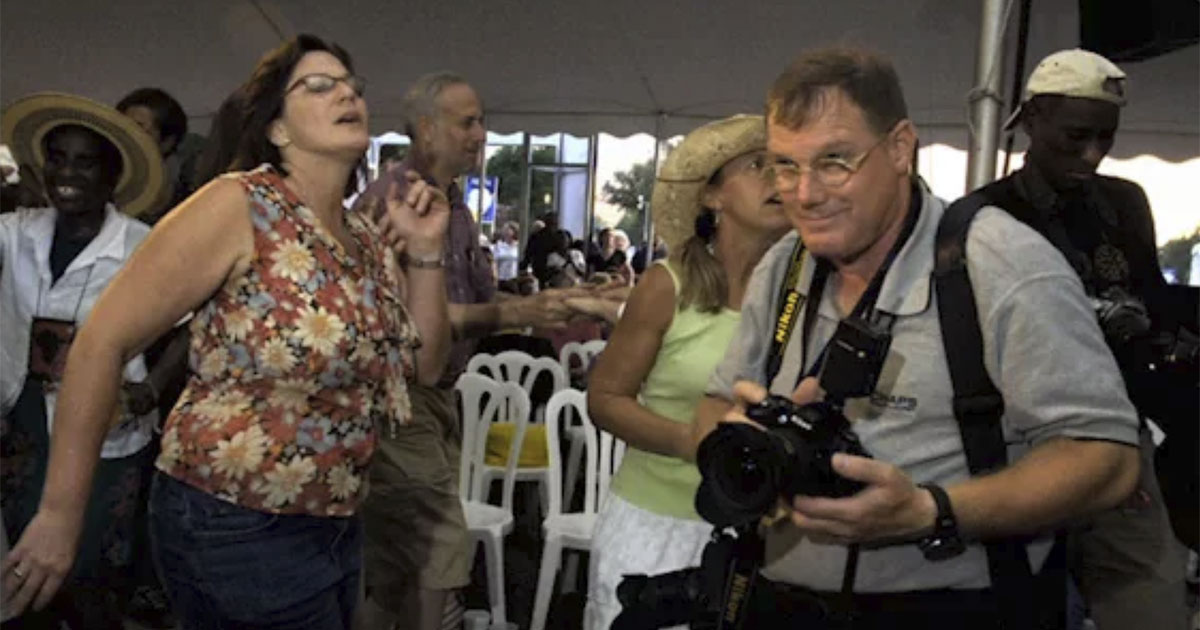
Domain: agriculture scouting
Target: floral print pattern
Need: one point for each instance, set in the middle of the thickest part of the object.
(293, 365)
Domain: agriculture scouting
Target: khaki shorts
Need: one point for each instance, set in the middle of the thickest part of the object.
(1128, 565)
(416, 535)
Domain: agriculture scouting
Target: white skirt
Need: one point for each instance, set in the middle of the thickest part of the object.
(628, 539)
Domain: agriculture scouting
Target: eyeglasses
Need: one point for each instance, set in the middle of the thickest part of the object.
(319, 83)
(831, 171)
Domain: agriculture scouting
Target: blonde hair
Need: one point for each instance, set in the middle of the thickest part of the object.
(705, 285)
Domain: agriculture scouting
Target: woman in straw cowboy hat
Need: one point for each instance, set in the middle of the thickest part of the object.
(304, 336)
(54, 263)
(718, 216)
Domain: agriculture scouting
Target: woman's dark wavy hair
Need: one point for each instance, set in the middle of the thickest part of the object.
(262, 102)
(224, 134)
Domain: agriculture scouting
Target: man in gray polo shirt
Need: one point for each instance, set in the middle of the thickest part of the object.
(842, 148)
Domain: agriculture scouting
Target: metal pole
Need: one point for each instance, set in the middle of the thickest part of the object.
(589, 222)
(526, 189)
(647, 224)
(986, 101)
(1014, 98)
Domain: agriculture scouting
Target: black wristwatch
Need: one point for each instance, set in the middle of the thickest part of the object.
(944, 543)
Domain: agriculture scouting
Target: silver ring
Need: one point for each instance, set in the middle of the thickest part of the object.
(17, 572)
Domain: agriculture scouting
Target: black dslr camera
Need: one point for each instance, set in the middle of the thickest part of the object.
(746, 469)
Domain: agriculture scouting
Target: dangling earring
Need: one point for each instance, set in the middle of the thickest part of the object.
(706, 228)
(279, 137)
(706, 224)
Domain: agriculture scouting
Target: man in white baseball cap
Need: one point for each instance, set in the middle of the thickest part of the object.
(1125, 561)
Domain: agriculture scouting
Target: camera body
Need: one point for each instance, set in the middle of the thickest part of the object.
(745, 469)
(1121, 316)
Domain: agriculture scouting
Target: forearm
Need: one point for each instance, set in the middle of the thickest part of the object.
(1059, 481)
(638, 426)
(709, 413)
(82, 417)
(430, 312)
(471, 321)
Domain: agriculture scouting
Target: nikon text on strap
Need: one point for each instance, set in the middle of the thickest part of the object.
(978, 405)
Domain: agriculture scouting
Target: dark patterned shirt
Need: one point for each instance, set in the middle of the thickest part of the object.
(468, 271)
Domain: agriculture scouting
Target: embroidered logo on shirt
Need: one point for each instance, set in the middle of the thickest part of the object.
(899, 403)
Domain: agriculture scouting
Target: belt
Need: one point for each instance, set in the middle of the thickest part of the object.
(826, 609)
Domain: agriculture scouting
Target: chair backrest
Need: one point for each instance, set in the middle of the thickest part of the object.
(602, 450)
(484, 401)
(583, 353)
(518, 367)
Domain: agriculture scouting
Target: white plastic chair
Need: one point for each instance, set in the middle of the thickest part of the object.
(518, 367)
(485, 401)
(584, 353)
(572, 530)
(514, 366)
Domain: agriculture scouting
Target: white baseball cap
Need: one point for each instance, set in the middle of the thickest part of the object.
(1077, 73)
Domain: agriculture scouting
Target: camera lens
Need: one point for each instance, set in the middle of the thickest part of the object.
(744, 472)
(741, 469)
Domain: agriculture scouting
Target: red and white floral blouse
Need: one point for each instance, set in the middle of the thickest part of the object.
(293, 365)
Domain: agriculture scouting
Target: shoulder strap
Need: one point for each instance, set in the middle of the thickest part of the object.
(978, 405)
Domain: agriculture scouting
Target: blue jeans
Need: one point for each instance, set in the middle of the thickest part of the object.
(227, 567)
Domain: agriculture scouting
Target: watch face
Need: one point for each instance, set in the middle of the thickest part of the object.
(938, 549)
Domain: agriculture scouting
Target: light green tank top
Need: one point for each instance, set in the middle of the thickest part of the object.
(690, 351)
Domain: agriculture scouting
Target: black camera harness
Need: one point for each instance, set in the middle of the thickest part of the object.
(978, 405)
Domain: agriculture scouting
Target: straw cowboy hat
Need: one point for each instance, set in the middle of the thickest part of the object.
(681, 180)
(25, 123)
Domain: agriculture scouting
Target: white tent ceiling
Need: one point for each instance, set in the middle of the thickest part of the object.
(618, 66)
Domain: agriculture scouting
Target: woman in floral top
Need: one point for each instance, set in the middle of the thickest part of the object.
(308, 322)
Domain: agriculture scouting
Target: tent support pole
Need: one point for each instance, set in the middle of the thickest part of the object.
(647, 208)
(526, 191)
(986, 99)
(589, 222)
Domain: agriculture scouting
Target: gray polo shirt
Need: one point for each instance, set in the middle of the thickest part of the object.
(1042, 349)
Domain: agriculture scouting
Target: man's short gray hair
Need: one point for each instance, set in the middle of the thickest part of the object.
(421, 98)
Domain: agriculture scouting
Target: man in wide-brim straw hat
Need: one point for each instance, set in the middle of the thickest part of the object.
(98, 168)
(718, 215)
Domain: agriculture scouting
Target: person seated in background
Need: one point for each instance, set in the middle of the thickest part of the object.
(54, 263)
(541, 245)
(658, 252)
(163, 118)
(718, 214)
(506, 250)
(599, 250)
(621, 243)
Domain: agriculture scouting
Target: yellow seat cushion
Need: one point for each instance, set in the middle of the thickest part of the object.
(533, 452)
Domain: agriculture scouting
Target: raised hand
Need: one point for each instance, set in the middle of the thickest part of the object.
(416, 222)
